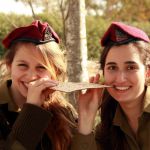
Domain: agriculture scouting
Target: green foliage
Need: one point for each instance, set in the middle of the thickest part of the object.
(8, 22)
(96, 26)
(127, 10)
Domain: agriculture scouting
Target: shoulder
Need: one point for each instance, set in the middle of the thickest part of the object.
(4, 93)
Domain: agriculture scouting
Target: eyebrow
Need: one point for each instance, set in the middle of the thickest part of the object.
(21, 61)
(127, 62)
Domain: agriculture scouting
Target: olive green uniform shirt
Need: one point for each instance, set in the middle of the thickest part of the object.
(20, 129)
(24, 129)
(139, 142)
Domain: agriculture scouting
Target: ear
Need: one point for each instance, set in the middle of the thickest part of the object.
(147, 73)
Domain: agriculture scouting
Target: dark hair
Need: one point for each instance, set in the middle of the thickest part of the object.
(109, 136)
(143, 48)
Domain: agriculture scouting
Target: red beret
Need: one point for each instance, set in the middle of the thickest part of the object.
(37, 33)
(121, 33)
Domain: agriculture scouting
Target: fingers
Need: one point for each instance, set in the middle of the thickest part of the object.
(94, 79)
(42, 81)
(39, 90)
(42, 86)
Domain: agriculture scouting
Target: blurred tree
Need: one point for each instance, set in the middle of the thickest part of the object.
(127, 10)
(30, 4)
(93, 5)
(56, 13)
(76, 43)
(63, 7)
(96, 26)
(8, 22)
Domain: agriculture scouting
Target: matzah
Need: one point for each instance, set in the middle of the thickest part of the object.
(75, 86)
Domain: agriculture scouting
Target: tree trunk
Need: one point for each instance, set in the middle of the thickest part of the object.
(76, 43)
(83, 41)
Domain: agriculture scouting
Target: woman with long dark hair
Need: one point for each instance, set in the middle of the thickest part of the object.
(125, 106)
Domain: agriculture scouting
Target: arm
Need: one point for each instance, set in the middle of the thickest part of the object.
(88, 103)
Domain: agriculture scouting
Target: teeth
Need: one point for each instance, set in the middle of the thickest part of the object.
(122, 88)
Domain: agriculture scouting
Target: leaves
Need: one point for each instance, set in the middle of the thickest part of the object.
(127, 10)
(133, 12)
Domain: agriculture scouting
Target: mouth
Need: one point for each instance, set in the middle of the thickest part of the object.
(121, 88)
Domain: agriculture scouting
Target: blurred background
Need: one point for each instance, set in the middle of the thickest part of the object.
(99, 14)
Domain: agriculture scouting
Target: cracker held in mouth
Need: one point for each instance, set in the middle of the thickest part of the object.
(75, 86)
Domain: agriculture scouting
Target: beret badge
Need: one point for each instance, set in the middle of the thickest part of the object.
(48, 34)
(121, 36)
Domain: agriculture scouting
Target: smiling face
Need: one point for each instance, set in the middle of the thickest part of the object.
(124, 69)
(26, 67)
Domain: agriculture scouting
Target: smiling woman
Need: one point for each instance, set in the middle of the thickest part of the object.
(28, 105)
(124, 108)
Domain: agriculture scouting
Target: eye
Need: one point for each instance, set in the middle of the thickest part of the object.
(41, 67)
(112, 67)
(132, 67)
(22, 66)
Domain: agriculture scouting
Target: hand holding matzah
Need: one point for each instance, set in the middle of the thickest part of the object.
(75, 86)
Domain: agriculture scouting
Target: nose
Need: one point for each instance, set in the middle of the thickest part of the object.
(121, 77)
(32, 75)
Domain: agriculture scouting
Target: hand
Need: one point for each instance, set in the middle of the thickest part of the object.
(39, 90)
(88, 104)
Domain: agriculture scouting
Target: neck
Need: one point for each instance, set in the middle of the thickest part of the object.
(17, 97)
(133, 111)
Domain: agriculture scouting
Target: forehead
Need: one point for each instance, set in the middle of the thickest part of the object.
(29, 52)
(123, 53)
(27, 49)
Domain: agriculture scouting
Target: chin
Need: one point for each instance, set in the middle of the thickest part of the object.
(122, 100)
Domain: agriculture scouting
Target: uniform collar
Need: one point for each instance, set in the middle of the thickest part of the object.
(120, 118)
(146, 107)
(6, 98)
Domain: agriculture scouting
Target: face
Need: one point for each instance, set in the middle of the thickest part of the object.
(125, 70)
(26, 68)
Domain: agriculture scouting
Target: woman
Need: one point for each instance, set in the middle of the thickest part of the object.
(125, 107)
(32, 115)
